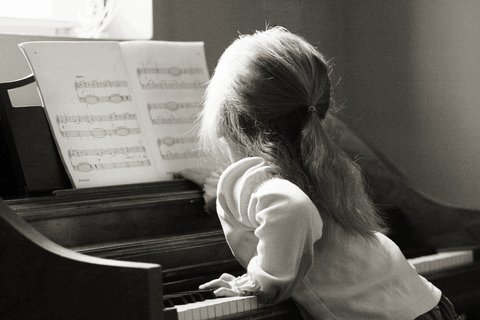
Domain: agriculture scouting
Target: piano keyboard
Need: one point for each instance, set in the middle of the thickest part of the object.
(442, 261)
(214, 308)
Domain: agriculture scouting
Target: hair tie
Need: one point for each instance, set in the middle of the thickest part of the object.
(312, 109)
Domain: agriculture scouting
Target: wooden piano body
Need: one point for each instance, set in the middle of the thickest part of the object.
(113, 252)
(163, 224)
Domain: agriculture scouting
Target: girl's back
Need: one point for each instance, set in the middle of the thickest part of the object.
(292, 204)
(332, 274)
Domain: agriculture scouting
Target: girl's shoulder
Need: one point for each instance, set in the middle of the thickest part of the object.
(282, 187)
(257, 177)
(253, 177)
(250, 188)
(282, 194)
(246, 173)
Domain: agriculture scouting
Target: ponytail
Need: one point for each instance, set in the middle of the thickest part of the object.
(336, 183)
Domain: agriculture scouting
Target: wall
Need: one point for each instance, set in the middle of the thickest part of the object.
(412, 79)
(218, 22)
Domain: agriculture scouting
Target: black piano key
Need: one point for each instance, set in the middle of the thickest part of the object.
(203, 294)
(184, 297)
(197, 297)
(167, 303)
(178, 300)
(189, 298)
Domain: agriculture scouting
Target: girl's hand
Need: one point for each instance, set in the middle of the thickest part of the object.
(223, 286)
(207, 180)
(196, 175)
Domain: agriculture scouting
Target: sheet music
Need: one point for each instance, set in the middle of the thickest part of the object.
(169, 80)
(92, 111)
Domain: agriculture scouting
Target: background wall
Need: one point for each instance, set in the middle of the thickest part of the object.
(408, 72)
(218, 22)
(413, 78)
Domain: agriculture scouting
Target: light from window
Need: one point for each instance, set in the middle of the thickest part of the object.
(113, 19)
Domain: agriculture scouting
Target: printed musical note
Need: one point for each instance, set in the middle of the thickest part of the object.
(83, 84)
(173, 120)
(173, 112)
(86, 160)
(188, 154)
(100, 152)
(174, 148)
(170, 84)
(174, 71)
(100, 132)
(87, 166)
(174, 106)
(101, 91)
(114, 98)
(170, 141)
(90, 118)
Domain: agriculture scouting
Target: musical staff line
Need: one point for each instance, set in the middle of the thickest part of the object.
(171, 141)
(99, 152)
(174, 71)
(173, 120)
(170, 84)
(176, 148)
(92, 84)
(90, 118)
(100, 132)
(114, 98)
(173, 106)
(178, 155)
(87, 166)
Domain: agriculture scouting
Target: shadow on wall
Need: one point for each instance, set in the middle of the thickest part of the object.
(411, 83)
(430, 223)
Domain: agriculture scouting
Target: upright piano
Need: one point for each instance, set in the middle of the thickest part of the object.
(140, 251)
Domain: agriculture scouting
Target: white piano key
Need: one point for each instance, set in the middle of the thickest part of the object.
(203, 314)
(218, 310)
(248, 305)
(196, 314)
(233, 307)
(211, 311)
(240, 307)
(254, 303)
(442, 261)
(189, 315)
(212, 308)
(226, 308)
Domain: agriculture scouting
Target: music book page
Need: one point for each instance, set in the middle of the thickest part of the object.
(170, 79)
(116, 117)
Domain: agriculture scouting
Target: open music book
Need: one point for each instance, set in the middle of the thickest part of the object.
(121, 112)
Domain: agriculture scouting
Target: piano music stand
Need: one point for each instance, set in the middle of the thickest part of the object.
(31, 151)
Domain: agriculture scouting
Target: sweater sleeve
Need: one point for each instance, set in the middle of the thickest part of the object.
(287, 226)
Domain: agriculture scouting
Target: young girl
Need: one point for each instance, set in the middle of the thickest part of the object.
(292, 205)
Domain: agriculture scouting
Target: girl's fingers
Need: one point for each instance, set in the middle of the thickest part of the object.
(224, 292)
(196, 175)
(227, 277)
(215, 284)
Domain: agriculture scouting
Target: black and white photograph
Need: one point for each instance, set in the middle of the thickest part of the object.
(239, 160)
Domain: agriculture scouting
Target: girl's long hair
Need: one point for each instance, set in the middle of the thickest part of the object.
(271, 95)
